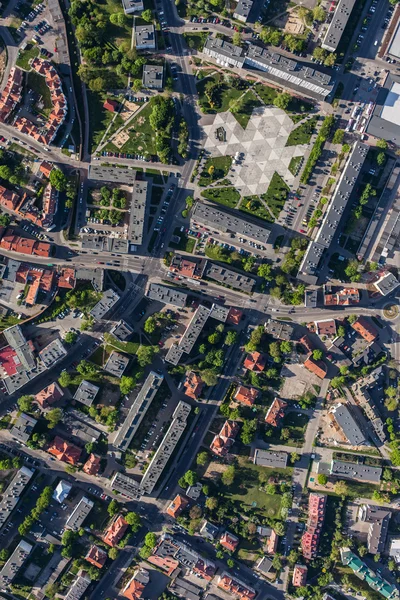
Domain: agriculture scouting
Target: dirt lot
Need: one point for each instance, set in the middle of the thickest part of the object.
(297, 381)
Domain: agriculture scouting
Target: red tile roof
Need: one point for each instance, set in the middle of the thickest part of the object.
(229, 541)
(365, 329)
(235, 587)
(193, 385)
(46, 168)
(275, 412)
(316, 516)
(178, 504)
(9, 360)
(225, 439)
(110, 105)
(49, 395)
(246, 395)
(96, 556)
(316, 366)
(327, 327)
(255, 362)
(67, 279)
(234, 316)
(299, 575)
(307, 343)
(64, 451)
(116, 531)
(92, 465)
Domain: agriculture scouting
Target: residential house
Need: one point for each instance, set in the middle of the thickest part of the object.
(326, 328)
(92, 465)
(276, 412)
(136, 585)
(111, 105)
(365, 328)
(299, 575)
(233, 585)
(48, 395)
(209, 531)
(116, 531)
(229, 541)
(193, 385)
(178, 504)
(348, 424)
(225, 439)
(378, 519)
(316, 516)
(255, 362)
(334, 296)
(96, 556)
(246, 395)
(318, 367)
(65, 451)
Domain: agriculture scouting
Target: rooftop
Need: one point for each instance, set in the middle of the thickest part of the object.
(86, 392)
(11, 495)
(355, 471)
(167, 295)
(116, 364)
(337, 25)
(122, 330)
(79, 514)
(153, 76)
(348, 425)
(108, 300)
(52, 353)
(23, 428)
(270, 458)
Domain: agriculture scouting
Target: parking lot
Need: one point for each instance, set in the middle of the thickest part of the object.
(37, 26)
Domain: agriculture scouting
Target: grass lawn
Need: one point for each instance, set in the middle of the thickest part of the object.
(246, 106)
(295, 164)
(127, 347)
(141, 135)
(222, 98)
(276, 194)
(226, 196)
(246, 487)
(100, 118)
(297, 426)
(267, 94)
(195, 40)
(253, 206)
(115, 33)
(302, 134)
(221, 165)
(38, 84)
(186, 243)
(24, 56)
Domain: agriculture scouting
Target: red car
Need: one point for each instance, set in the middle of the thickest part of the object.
(302, 231)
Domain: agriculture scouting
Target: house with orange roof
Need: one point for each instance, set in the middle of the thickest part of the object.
(110, 105)
(272, 542)
(299, 575)
(48, 395)
(229, 541)
(318, 367)
(64, 451)
(11, 94)
(225, 439)
(136, 585)
(246, 395)
(307, 343)
(46, 168)
(33, 290)
(236, 587)
(187, 268)
(326, 328)
(276, 412)
(178, 504)
(92, 465)
(116, 531)
(193, 385)
(96, 556)
(255, 362)
(365, 328)
(234, 316)
(8, 199)
(66, 279)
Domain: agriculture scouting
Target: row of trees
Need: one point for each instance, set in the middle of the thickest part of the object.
(41, 504)
(317, 149)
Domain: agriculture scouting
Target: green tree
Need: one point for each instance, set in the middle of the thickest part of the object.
(202, 458)
(319, 14)
(319, 54)
(282, 100)
(338, 136)
(212, 503)
(145, 355)
(237, 39)
(65, 379)
(228, 476)
(190, 477)
(341, 488)
(231, 338)
(25, 403)
(150, 325)
(248, 432)
(209, 377)
(70, 337)
(113, 508)
(86, 368)
(150, 539)
(119, 19)
(4, 554)
(265, 271)
(338, 381)
(382, 144)
(381, 159)
(318, 355)
(58, 180)
(294, 457)
(113, 553)
(341, 331)
(285, 347)
(126, 385)
(134, 521)
(322, 479)
(147, 15)
(53, 416)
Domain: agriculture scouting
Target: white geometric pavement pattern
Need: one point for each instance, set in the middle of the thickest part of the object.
(263, 144)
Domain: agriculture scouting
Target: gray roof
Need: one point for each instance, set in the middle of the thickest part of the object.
(167, 295)
(153, 76)
(348, 425)
(229, 277)
(310, 298)
(289, 73)
(22, 377)
(279, 329)
(86, 392)
(243, 9)
(387, 284)
(166, 448)
(186, 589)
(17, 341)
(127, 486)
(209, 530)
(22, 429)
(336, 209)
(264, 565)
(79, 514)
(190, 336)
(347, 470)
(108, 300)
(78, 588)
(123, 175)
(131, 6)
(224, 49)
(379, 126)
(394, 46)
(13, 492)
(14, 336)
(378, 518)
(174, 354)
(80, 426)
(121, 330)
(170, 546)
(269, 458)
(208, 214)
(138, 409)
(138, 212)
(219, 312)
(337, 25)
(52, 353)
(145, 36)
(95, 276)
(14, 563)
(116, 364)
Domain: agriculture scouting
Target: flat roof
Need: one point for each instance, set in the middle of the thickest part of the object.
(237, 281)
(79, 514)
(13, 492)
(166, 448)
(337, 25)
(194, 328)
(127, 486)
(52, 353)
(123, 175)
(391, 108)
(86, 392)
(116, 364)
(224, 221)
(348, 425)
(279, 329)
(381, 126)
(138, 212)
(269, 458)
(394, 46)
(153, 76)
(14, 563)
(243, 8)
(138, 409)
(387, 284)
(121, 330)
(225, 49)
(353, 471)
(108, 300)
(78, 588)
(22, 429)
(167, 295)
(145, 36)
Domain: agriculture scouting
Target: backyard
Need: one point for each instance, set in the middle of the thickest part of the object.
(38, 84)
(293, 423)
